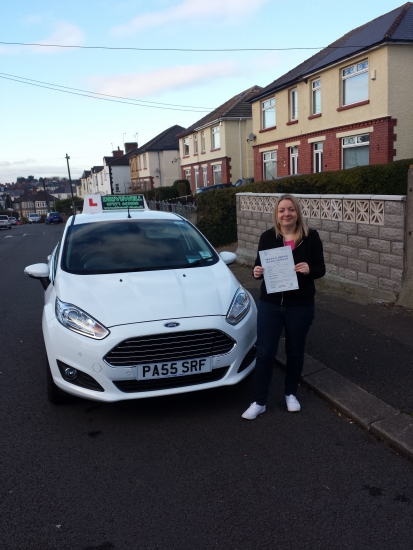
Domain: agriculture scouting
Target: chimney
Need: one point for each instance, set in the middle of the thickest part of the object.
(34, 190)
(130, 146)
(117, 153)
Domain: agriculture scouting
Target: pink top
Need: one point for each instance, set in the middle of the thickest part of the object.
(290, 243)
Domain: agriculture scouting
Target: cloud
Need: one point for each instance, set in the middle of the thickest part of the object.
(170, 78)
(19, 162)
(64, 33)
(191, 10)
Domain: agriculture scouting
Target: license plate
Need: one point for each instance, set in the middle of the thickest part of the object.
(153, 371)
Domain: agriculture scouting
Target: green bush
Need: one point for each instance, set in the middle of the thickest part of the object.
(182, 185)
(217, 217)
(161, 193)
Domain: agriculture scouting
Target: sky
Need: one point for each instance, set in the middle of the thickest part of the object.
(39, 126)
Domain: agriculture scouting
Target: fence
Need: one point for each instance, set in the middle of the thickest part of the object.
(187, 211)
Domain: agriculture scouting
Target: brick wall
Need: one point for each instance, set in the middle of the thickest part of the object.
(382, 150)
(363, 236)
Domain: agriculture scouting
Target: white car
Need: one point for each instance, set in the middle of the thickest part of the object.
(34, 218)
(139, 304)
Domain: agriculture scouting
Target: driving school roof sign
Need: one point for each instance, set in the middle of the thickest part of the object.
(123, 202)
(95, 204)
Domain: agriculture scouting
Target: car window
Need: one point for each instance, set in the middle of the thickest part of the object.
(134, 245)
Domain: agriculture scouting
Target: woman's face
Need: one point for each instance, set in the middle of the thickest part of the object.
(287, 214)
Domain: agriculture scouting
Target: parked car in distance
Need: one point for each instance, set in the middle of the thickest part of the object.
(53, 217)
(243, 181)
(213, 187)
(123, 286)
(13, 220)
(34, 218)
(19, 222)
(5, 222)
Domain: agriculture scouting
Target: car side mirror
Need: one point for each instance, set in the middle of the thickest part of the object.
(39, 271)
(228, 257)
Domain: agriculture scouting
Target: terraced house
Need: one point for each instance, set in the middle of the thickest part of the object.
(349, 105)
(216, 149)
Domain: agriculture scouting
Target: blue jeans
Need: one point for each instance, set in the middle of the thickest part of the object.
(272, 319)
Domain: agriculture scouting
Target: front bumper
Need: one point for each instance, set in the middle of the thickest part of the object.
(86, 355)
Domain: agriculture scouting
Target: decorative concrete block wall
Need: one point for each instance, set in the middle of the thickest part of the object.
(363, 235)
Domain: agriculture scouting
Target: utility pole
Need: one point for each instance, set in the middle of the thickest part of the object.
(70, 182)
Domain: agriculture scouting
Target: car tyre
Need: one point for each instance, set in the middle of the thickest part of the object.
(54, 394)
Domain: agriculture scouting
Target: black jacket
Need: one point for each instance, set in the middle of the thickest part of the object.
(309, 250)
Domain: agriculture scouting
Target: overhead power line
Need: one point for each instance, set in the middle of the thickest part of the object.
(174, 49)
(23, 78)
(95, 95)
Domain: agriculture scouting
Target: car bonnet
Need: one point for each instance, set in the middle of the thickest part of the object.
(124, 298)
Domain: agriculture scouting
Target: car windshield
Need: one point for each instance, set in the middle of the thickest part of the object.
(134, 245)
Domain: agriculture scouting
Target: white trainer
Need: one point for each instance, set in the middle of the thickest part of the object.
(253, 411)
(292, 403)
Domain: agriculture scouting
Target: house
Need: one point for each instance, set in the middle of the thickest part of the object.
(95, 178)
(34, 201)
(84, 183)
(116, 172)
(350, 104)
(217, 148)
(64, 191)
(156, 164)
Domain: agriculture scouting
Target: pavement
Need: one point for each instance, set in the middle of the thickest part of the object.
(360, 359)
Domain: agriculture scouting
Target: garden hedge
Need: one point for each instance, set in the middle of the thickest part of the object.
(217, 217)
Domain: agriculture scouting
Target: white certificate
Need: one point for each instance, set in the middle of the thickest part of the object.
(279, 274)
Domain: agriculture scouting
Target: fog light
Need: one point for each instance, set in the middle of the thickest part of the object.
(70, 373)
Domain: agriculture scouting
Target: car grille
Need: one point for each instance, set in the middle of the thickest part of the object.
(130, 386)
(176, 346)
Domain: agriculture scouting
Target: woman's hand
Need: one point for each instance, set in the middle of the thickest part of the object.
(258, 271)
(302, 268)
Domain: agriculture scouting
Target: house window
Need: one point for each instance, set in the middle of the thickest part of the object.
(186, 147)
(195, 144)
(216, 141)
(318, 156)
(356, 151)
(196, 169)
(117, 187)
(293, 160)
(316, 100)
(203, 149)
(205, 175)
(294, 104)
(270, 165)
(217, 174)
(356, 83)
(139, 163)
(268, 113)
(188, 175)
(144, 161)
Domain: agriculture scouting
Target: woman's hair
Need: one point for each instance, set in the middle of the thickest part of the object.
(301, 228)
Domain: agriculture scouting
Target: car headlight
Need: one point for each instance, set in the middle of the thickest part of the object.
(239, 307)
(74, 318)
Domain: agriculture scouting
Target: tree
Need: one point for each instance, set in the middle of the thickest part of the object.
(66, 205)
(7, 202)
(30, 178)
